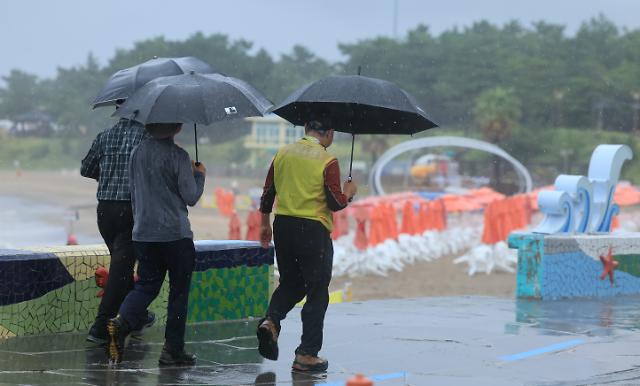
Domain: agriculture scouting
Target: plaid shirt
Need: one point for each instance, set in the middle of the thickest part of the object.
(108, 159)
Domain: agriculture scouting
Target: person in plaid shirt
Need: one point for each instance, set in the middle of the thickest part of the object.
(107, 162)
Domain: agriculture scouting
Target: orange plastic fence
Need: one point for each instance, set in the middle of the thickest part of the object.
(502, 217)
(254, 219)
(225, 200)
(234, 227)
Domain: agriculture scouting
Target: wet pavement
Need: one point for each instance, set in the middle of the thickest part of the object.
(429, 341)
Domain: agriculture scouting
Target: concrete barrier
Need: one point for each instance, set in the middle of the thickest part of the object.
(569, 265)
(53, 290)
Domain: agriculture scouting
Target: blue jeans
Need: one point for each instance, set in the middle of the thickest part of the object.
(154, 260)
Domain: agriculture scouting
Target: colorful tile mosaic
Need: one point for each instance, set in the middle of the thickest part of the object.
(53, 290)
(569, 266)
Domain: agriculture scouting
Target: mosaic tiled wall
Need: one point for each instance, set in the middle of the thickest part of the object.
(569, 266)
(53, 290)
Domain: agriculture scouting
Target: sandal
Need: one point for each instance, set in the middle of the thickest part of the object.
(322, 365)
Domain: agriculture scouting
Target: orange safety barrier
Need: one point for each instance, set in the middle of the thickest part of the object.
(340, 224)
(225, 200)
(408, 219)
(254, 220)
(234, 227)
(361, 241)
(615, 223)
(391, 224)
(504, 216)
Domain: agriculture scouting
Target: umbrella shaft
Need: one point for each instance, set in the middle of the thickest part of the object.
(353, 141)
(195, 137)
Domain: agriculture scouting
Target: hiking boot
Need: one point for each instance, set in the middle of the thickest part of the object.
(268, 338)
(97, 334)
(309, 363)
(150, 321)
(117, 330)
(176, 358)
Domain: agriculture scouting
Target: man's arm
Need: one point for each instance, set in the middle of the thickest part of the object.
(190, 181)
(336, 199)
(268, 193)
(266, 206)
(90, 166)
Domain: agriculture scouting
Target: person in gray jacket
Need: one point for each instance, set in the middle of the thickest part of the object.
(163, 182)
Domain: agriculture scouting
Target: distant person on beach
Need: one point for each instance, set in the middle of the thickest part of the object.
(163, 182)
(107, 162)
(305, 178)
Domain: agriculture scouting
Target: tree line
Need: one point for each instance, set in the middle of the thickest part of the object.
(483, 76)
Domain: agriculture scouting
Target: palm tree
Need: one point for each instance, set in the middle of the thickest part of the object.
(497, 111)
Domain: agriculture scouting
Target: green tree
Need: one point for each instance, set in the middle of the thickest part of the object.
(21, 94)
(497, 111)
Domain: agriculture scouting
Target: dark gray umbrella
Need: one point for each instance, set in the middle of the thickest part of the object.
(194, 98)
(357, 105)
(124, 83)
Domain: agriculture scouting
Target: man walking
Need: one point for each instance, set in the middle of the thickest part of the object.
(305, 178)
(164, 181)
(107, 162)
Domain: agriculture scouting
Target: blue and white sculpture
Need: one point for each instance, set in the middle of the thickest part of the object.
(585, 204)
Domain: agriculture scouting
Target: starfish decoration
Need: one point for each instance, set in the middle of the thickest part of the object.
(609, 264)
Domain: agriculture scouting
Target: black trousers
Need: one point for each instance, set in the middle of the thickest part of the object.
(304, 252)
(155, 259)
(115, 222)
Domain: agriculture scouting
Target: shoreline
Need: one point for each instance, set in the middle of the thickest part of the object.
(68, 190)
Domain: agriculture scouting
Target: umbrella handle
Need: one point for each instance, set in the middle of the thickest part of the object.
(195, 136)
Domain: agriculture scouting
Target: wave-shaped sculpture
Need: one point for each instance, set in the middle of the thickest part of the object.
(585, 204)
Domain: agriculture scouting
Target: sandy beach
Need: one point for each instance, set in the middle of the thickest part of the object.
(69, 191)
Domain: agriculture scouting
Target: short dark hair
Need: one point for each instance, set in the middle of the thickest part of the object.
(162, 130)
(319, 125)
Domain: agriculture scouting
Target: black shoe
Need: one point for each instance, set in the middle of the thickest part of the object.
(267, 333)
(150, 321)
(176, 358)
(117, 330)
(97, 334)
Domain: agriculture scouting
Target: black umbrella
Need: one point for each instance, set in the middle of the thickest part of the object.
(357, 105)
(194, 98)
(124, 83)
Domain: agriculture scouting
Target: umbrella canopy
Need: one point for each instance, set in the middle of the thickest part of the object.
(124, 83)
(357, 105)
(194, 98)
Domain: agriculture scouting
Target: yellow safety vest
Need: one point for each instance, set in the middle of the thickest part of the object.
(299, 181)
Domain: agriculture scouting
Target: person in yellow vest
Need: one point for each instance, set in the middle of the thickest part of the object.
(305, 178)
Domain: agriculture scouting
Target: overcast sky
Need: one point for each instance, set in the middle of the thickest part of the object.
(39, 35)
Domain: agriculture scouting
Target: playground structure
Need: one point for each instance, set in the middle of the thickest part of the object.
(524, 178)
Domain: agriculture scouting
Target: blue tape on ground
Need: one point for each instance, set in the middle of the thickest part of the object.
(542, 350)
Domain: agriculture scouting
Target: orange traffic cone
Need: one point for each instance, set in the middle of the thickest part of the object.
(359, 380)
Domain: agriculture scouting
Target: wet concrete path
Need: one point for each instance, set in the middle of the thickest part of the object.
(429, 341)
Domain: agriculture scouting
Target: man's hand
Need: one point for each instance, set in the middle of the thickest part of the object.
(349, 189)
(265, 230)
(198, 167)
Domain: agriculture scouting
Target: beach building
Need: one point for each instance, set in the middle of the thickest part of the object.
(267, 135)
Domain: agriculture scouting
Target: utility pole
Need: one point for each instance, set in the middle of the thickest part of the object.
(395, 19)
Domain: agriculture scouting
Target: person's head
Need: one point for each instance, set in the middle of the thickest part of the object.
(320, 129)
(163, 130)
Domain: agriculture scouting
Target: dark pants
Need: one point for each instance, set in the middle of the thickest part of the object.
(305, 257)
(154, 260)
(115, 222)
